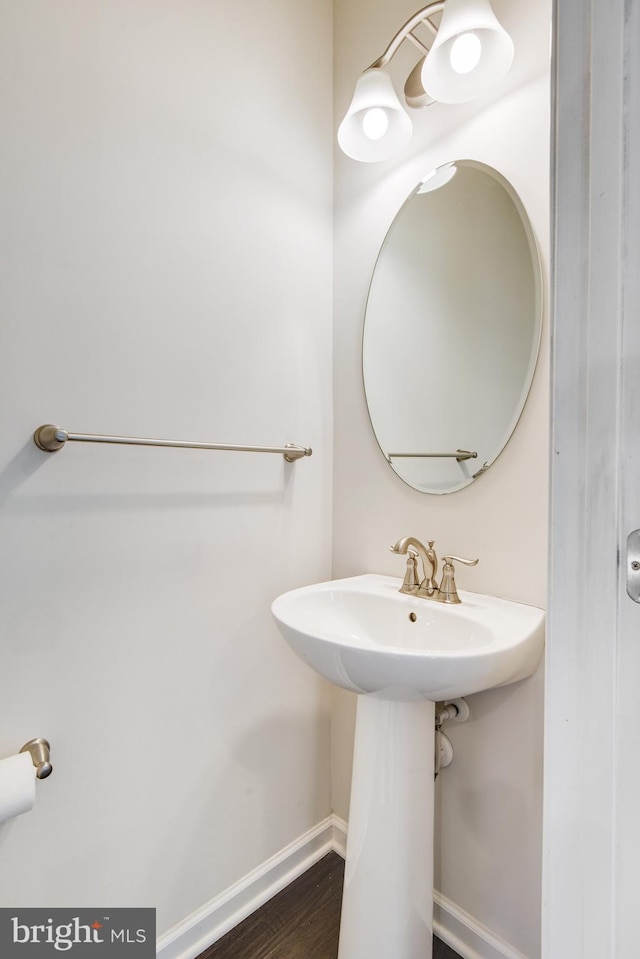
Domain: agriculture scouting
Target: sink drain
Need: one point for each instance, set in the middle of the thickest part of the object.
(412, 617)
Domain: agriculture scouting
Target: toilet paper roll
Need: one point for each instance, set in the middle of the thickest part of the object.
(17, 786)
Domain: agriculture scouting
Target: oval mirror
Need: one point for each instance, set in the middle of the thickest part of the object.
(452, 327)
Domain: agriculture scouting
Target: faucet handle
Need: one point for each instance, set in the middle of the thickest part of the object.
(448, 592)
(411, 578)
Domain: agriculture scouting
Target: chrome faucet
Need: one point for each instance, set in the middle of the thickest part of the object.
(428, 587)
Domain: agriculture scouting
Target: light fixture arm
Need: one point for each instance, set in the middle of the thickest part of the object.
(405, 33)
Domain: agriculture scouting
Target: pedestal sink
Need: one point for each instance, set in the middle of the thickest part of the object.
(402, 654)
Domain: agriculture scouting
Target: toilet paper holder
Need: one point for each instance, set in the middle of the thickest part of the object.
(40, 756)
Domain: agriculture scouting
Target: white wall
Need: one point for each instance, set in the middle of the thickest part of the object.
(488, 830)
(165, 189)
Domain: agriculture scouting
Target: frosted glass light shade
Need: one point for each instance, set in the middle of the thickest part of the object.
(374, 91)
(440, 77)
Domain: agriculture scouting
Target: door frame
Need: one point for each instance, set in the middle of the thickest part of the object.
(591, 839)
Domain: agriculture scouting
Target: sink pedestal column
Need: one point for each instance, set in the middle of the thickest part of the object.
(387, 906)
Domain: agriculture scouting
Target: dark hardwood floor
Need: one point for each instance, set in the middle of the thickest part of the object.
(301, 922)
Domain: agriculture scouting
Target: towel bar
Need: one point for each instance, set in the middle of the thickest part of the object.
(51, 438)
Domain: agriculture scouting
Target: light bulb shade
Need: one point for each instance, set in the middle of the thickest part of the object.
(374, 91)
(441, 78)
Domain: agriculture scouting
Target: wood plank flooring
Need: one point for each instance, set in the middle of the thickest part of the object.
(301, 922)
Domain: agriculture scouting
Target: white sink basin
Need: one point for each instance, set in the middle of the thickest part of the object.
(364, 635)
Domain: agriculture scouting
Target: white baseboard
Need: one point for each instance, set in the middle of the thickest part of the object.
(204, 927)
(469, 938)
(339, 836)
(466, 936)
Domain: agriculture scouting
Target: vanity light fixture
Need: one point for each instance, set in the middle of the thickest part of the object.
(470, 53)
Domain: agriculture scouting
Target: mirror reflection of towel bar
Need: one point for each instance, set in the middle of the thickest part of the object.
(460, 455)
(51, 438)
